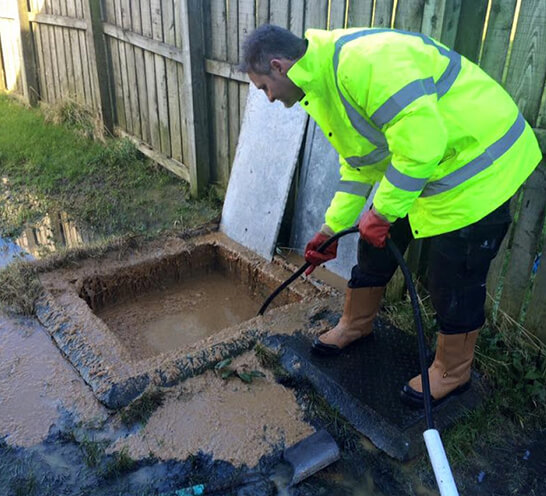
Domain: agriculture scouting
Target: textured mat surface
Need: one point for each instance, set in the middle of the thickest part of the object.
(364, 383)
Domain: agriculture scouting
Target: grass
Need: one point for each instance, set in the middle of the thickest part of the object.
(140, 410)
(107, 186)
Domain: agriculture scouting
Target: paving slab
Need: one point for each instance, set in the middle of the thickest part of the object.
(263, 168)
(363, 382)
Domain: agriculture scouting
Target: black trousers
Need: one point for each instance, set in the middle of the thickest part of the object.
(458, 263)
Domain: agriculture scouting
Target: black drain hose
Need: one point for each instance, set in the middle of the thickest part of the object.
(414, 303)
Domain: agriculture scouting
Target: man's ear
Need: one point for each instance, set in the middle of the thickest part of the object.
(277, 66)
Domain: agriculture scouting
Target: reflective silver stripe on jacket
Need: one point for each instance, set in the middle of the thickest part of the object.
(480, 163)
(403, 181)
(354, 188)
(389, 109)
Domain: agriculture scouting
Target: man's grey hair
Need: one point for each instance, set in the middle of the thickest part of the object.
(269, 42)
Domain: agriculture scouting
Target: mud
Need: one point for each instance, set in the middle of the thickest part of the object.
(227, 419)
(37, 384)
(186, 313)
(118, 370)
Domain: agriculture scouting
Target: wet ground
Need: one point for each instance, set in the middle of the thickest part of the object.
(58, 439)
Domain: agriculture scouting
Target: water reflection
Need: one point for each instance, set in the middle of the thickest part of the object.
(54, 231)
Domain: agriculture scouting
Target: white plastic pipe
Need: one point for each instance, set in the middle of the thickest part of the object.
(440, 464)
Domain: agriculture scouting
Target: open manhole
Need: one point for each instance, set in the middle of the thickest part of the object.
(160, 316)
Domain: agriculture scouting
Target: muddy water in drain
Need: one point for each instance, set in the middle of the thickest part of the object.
(181, 315)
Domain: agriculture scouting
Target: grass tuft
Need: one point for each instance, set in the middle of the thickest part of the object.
(140, 410)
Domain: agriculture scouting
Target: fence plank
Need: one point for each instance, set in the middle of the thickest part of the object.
(469, 34)
(142, 90)
(149, 62)
(89, 72)
(536, 312)
(497, 38)
(279, 11)
(360, 13)
(38, 50)
(383, 14)
(44, 60)
(316, 14)
(433, 18)
(172, 82)
(409, 15)
(119, 106)
(98, 61)
(30, 83)
(297, 18)
(184, 114)
(219, 94)
(527, 67)
(195, 94)
(161, 80)
(233, 86)
(452, 15)
(337, 14)
(60, 48)
(262, 12)
(75, 82)
(127, 25)
(527, 234)
(247, 19)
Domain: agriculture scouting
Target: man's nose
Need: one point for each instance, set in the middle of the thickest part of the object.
(270, 97)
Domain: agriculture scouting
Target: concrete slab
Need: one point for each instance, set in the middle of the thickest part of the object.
(364, 383)
(265, 160)
(318, 181)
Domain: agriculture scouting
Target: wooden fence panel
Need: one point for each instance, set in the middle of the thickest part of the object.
(527, 69)
(218, 91)
(383, 12)
(113, 51)
(527, 235)
(497, 39)
(409, 15)
(10, 45)
(469, 33)
(360, 13)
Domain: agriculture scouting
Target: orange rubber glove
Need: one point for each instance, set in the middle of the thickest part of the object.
(374, 228)
(316, 258)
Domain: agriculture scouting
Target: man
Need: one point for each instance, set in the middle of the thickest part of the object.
(449, 149)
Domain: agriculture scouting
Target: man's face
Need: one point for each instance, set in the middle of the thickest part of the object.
(276, 85)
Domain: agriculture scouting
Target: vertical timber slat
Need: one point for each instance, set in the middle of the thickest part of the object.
(172, 82)
(526, 238)
(526, 76)
(31, 86)
(452, 15)
(469, 34)
(360, 13)
(219, 93)
(97, 49)
(195, 95)
(497, 38)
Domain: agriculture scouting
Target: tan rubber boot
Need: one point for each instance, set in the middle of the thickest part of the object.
(361, 307)
(450, 372)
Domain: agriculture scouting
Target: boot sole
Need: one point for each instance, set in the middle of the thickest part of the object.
(415, 399)
(323, 349)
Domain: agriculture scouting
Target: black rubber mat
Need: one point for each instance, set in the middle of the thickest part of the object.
(363, 382)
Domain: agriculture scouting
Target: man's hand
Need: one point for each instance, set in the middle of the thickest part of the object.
(315, 258)
(374, 228)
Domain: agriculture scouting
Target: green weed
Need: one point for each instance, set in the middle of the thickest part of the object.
(140, 410)
(93, 452)
(119, 463)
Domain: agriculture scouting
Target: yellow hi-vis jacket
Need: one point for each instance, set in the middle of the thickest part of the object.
(445, 141)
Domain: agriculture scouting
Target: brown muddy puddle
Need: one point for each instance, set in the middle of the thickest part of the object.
(180, 315)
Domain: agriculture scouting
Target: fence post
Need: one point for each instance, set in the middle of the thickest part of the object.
(29, 75)
(195, 95)
(99, 61)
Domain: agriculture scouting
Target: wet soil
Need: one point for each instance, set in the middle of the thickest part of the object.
(181, 315)
(56, 438)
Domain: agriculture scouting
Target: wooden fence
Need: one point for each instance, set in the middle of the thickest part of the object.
(163, 72)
